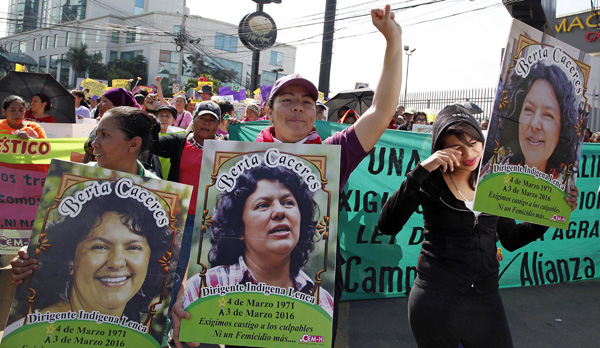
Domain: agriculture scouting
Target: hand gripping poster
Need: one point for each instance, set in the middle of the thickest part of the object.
(536, 130)
(262, 265)
(107, 245)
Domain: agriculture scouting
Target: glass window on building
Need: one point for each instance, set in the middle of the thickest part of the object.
(113, 55)
(83, 36)
(27, 15)
(46, 38)
(226, 42)
(42, 64)
(176, 29)
(68, 39)
(130, 35)
(168, 62)
(138, 7)
(72, 10)
(55, 44)
(138, 33)
(41, 43)
(22, 46)
(53, 66)
(248, 82)
(276, 58)
(64, 70)
(34, 44)
(114, 37)
(225, 64)
(268, 78)
(97, 35)
(130, 54)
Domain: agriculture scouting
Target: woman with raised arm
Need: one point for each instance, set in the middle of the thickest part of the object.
(292, 111)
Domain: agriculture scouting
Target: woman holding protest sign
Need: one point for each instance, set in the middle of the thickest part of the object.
(122, 134)
(292, 110)
(455, 297)
(263, 232)
(13, 108)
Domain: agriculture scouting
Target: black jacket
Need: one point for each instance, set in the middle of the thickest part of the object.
(459, 249)
(170, 146)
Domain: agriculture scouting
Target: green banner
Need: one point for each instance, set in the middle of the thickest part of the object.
(379, 266)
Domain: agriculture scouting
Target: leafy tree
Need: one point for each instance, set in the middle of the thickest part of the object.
(80, 60)
(128, 69)
(97, 69)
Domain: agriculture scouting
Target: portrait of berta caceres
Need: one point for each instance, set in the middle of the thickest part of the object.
(107, 245)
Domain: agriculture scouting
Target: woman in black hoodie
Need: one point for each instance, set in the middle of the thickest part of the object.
(455, 297)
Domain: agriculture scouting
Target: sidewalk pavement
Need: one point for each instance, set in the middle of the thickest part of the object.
(546, 316)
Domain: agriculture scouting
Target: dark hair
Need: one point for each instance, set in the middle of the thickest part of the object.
(11, 98)
(517, 90)
(45, 99)
(420, 113)
(228, 226)
(225, 107)
(81, 94)
(78, 93)
(461, 130)
(139, 98)
(65, 233)
(142, 92)
(136, 122)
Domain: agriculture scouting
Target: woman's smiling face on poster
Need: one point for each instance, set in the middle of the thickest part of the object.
(539, 124)
(272, 220)
(110, 266)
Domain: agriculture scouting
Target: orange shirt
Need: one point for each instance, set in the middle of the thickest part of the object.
(5, 128)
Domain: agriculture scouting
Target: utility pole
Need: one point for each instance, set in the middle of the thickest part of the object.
(327, 46)
(255, 58)
(182, 37)
(408, 54)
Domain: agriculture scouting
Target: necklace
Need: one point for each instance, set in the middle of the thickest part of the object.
(457, 190)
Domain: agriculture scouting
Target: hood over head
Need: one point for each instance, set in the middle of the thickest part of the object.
(450, 115)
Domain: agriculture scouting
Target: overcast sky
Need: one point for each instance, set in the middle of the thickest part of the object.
(458, 42)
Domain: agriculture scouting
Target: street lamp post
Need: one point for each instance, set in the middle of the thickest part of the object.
(408, 54)
(277, 71)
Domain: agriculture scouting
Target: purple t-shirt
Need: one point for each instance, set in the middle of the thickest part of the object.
(352, 152)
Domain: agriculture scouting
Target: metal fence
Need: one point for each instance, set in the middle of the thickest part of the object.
(437, 100)
(594, 120)
(484, 98)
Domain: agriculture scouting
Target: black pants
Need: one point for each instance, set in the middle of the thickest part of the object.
(441, 320)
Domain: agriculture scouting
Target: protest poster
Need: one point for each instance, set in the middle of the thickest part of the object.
(535, 135)
(262, 265)
(122, 83)
(107, 245)
(236, 92)
(380, 266)
(149, 89)
(23, 168)
(422, 128)
(95, 88)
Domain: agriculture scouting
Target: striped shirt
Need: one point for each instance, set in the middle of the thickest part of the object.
(239, 273)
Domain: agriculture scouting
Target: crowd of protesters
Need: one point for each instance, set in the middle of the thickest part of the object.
(186, 124)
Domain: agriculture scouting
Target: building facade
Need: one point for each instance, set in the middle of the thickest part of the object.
(582, 30)
(46, 29)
